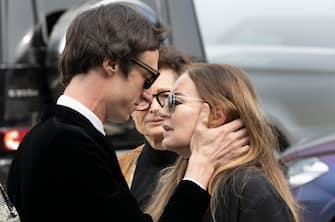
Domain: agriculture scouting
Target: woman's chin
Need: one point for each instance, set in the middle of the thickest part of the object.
(167, 144)
(180, 150)
(155, 133)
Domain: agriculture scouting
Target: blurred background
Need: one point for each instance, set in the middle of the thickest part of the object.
(286, 47)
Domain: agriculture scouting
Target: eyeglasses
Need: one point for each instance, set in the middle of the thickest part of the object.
(154, 73)
(172, 101)
(160, 97)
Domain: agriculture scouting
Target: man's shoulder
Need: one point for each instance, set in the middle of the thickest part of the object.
(53, 130)
(54, 137)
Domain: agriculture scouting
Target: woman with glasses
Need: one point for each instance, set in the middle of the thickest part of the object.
(252, 187)
(142, 165)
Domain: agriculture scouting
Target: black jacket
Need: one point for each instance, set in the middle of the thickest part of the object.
(248, 196)
(65, 170)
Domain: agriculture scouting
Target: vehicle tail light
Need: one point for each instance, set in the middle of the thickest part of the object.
(12, 138)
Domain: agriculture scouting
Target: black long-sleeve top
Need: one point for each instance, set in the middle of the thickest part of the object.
(148, 166)
(248, 196)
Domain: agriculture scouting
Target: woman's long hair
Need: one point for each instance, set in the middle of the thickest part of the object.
(227, 88)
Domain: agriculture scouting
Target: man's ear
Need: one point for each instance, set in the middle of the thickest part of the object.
(110, 66)
(217, 117)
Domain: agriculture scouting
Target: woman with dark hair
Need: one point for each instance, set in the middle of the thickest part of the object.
(251, 187)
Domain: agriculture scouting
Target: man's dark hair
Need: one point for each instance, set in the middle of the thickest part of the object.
(113, 31)
(172, 58)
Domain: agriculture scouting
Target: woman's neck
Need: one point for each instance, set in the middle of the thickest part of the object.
(155, 143)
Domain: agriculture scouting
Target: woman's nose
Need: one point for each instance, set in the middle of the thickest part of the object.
(164, 112)
(155, 107)
(153, 110)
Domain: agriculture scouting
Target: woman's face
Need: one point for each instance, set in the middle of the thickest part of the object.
(148, 122)
(179, 124)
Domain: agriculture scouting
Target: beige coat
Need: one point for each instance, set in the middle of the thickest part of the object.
(128, 161)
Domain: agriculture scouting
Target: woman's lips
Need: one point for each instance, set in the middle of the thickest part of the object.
(155, 120)
(156, 123)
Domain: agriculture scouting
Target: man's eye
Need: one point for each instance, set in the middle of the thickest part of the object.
(146, 76)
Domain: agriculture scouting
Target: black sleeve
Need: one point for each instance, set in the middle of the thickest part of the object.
(188, 203)
(261, 203)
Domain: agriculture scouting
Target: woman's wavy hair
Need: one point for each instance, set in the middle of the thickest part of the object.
(228, 88)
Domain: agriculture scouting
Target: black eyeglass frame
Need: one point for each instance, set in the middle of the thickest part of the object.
(161, 103)
(154, 73)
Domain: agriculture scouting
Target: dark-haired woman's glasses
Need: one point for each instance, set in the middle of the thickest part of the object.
(160, 98)
(154, 73)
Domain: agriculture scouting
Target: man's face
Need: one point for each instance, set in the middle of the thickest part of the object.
(125, 93)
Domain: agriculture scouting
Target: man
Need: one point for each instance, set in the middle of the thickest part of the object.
(64, 169)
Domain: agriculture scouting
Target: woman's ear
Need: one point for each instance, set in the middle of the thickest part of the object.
(110, 66)
(217, 117)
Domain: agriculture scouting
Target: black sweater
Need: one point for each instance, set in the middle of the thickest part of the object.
(248, 196)
(149, 164)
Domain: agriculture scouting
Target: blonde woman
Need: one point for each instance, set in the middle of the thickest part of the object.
(141, 166)
(249, 188)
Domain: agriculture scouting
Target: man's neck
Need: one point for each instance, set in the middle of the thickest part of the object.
(83, 110)
(83, 89)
